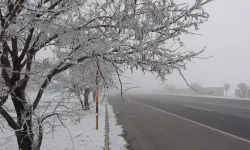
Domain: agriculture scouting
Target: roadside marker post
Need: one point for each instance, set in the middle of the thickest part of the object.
(96, 99)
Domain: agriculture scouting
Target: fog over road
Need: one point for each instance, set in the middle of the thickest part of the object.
(170, 122)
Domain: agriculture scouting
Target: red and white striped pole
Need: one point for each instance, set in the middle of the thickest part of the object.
(96, 99)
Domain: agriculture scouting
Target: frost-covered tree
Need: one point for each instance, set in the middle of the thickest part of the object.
(226, 87)
(81, 79)
(243, 87)
(135, 34)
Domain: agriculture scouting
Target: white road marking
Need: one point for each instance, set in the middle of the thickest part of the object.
(219, 105)
(208, 127)
(205, 109)
(210, 104)
(198, 108)
(188, 106)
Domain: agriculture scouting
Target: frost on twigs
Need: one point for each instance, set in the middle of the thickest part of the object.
(83, 37)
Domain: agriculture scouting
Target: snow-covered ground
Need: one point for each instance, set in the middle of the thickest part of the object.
(79, 135)
(116, 141)
(76, 135)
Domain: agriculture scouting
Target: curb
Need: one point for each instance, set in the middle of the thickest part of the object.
(106, 140)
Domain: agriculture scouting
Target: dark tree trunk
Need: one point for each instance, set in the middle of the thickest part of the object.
(24, 134)
(78, 93)
(23, 126)
(25, 137)
(94, 94)
(86, 98)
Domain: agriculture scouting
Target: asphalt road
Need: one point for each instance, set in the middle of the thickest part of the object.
(164, 122)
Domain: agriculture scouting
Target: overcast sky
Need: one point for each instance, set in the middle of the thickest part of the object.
(226, 36)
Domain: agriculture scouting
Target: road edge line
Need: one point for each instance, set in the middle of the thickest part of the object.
(106, 140)
(208, 127)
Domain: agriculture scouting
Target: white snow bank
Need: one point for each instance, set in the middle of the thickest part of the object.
(79, 135)
(82, 136)
(116, 141)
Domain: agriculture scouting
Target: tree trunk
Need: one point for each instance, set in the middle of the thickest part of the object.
(79, 96)
(24, 134)
(86, 98)
(94, 94)
(25, 138)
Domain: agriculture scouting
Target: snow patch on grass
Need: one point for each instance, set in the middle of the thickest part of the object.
(78, 134)
(82, 136)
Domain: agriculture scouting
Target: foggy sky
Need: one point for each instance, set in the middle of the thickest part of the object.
(226, 36)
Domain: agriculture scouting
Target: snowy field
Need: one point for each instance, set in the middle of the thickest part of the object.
(75, 135)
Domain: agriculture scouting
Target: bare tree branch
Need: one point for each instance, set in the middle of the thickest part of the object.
(8, 118)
